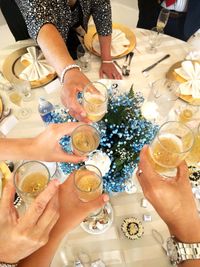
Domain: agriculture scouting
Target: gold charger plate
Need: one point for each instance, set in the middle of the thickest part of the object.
(5, 172)
(172, 75)
(88, 39)
(12, 67)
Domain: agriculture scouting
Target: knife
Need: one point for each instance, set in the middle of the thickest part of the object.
(156, 63)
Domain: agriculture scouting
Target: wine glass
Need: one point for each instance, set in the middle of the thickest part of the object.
(186, 112)
(95, 100)
(88, 184)
(84, 139)
(23, 86)
(171, 145)
(162, 19)
(16, 97)
(30, 179)
(84, 58)
(193, 157)
(154, 40)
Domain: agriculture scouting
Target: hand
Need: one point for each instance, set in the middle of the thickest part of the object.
(47, 143)
(172, 198)
(110, 71)
(21, 236)
(72, 209)
(75, 81)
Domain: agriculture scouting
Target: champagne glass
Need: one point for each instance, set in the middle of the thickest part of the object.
(154, 40)
(95, 100)
(193, 157)
(84, 139)
(24, 87)
(88, 184)
(186, 112)
(30, 179)
(162, 19)
(171, 145)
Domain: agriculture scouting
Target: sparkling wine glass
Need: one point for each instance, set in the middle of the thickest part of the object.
(24, 87)
(30, 179)
(162, 19)
(186, 112)
(95, 100)
(154, 40)
(171, 145)
(88, 184)
(84, 139)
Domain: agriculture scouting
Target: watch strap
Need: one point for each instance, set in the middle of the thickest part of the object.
(188, 251)
(4, 264)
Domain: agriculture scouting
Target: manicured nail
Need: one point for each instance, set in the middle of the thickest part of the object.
(105, 198)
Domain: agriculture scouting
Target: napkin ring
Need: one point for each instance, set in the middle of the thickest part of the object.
(68, 67)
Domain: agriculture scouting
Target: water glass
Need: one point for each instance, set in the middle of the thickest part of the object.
(95, 100)
(24, 87)
(84, 139)
(30, 179)
(84, 58)
(170, 146)
(155, 35)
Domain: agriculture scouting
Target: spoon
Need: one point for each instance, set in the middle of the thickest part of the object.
(6, 112)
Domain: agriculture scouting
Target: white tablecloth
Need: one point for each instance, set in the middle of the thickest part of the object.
(112, 246)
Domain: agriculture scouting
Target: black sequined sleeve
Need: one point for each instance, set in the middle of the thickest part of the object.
(39, 12)
(101, 13)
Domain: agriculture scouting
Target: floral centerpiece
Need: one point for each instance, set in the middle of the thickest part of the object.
(124, 131)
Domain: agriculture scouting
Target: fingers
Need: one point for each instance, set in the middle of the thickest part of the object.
(182, 173)
(62, 129)
(64, 157)
(96, 203)
(8, 195)
(49, 217)
(37, 208)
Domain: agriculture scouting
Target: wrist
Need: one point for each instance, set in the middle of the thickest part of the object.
(67, 70)
(186, 232)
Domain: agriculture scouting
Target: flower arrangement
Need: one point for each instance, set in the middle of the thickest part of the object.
(124, 131)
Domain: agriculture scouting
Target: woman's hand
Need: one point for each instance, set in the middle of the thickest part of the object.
(21, 236)
(47, 143)
(72, 209)
(172, 198)
(74, 83)
(110, 71)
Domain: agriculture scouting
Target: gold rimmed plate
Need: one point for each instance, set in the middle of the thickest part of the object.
(172, 75)
(91, 34)
(13, 66)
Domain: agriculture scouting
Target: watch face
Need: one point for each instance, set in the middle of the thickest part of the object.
(171, 250)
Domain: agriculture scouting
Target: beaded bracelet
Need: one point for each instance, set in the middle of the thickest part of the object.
(107, 61)
(69, 67)
(4, 264)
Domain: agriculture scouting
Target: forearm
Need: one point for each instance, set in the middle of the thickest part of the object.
(15, 149)
(54, 48)
(105, 46)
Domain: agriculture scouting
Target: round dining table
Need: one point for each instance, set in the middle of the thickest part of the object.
(112, 247)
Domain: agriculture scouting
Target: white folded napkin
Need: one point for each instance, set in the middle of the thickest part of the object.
(37, 68)
(193, 55)
(8, 124)
(119, 43)
(191, 73)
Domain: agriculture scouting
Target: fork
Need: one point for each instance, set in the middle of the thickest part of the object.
(125, 65)
(127, 72)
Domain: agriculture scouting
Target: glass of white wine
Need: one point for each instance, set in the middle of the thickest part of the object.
(95, 100)
(88, 184)
(162, 19)
(84, 139)
(171, 145)
(193, 157)
(30, 179)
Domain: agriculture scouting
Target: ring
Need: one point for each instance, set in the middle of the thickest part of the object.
(139, 172)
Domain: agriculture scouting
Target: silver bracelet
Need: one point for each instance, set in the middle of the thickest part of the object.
(4, 264)
(69, 67)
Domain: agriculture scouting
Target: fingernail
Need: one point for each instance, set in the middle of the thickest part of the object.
(83, 114)
(105, 198)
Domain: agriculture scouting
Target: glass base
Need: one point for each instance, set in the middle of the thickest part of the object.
(24, 113)
(100, 223)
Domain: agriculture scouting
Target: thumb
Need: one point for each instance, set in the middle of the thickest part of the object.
(8, 195)
(97, 203)
(182, 172)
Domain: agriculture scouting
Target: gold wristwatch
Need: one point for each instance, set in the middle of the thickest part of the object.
(179, 252)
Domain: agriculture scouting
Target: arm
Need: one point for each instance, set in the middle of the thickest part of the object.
(47, 143)
(30, 231)
(174, 202)
(72, 213)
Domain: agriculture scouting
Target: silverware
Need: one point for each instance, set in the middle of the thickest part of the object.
(117, 64)
(156, 63)
(131, 54)
(125, 65)
(6, 112)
